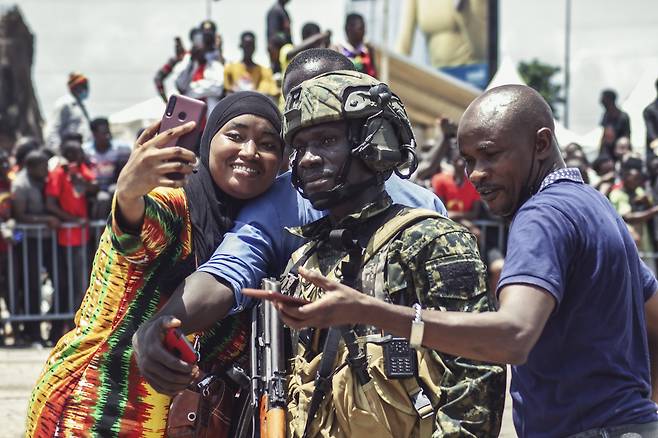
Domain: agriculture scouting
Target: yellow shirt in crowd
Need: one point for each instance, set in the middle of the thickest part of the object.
(239, 77)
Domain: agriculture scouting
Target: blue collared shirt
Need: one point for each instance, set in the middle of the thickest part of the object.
(590, 366)
(258, 245)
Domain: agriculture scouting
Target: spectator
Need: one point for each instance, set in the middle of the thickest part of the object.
(608, 141)
(459, 195)
(604, 166)
(278, 21)
(275, 45)
(246, 75)
(579, 163)
(431, 158)
(495, 263)
(6, 229)
(67, 188)
(650, 115)
(212, 44)
(633, 203)
(572, 150)
(23, 147)
(355, 48)
(164, 71)
(615, 122)
(198, 76)
(622, 150)
(70, 115)
(312, 37)
(457, 192)
(107, 157)
(212, 41)
(29, 207)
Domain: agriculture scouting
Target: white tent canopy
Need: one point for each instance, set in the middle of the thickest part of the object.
(126, 123)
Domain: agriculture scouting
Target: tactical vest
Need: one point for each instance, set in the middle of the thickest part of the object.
(383, 407)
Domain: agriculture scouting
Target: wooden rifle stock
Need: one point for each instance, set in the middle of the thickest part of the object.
(275, 422)
(268, 369)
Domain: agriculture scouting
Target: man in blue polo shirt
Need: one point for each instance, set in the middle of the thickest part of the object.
(578, 313)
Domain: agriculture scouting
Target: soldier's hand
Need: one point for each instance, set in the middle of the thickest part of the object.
(166, 373)
(339, 305)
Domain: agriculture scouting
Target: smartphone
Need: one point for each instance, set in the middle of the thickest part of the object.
(177, 344)
(274, 296)
(179, 111)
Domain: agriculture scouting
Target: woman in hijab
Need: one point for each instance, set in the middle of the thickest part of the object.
(160, 229)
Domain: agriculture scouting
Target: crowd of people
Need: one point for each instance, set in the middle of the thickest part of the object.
(383, 260)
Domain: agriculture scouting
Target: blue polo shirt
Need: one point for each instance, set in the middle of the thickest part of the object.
(259, 246)
(590, 366)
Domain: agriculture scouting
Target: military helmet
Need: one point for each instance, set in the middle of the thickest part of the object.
(379, 129)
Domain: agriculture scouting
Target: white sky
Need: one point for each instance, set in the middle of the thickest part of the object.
(119, 44)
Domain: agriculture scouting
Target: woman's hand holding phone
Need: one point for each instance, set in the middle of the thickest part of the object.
(150, 165)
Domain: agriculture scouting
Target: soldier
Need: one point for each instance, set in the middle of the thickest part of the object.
(349, 134)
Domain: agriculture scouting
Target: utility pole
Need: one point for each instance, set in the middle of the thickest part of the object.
(492, 40)
(567, 56)
(384, 73)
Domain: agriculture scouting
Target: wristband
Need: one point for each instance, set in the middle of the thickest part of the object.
(417, 328)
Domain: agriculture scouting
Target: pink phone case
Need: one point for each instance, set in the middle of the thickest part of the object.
(180, 110)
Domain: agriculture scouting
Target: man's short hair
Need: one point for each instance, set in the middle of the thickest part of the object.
(353, 17)
(248, 34)
(98, 122)
(600, 160)
(72, 136)
(310, 29)
(609, 94)
(631, 163)
(329, 59)
(23, 147)
(315, 54)
(35, 158)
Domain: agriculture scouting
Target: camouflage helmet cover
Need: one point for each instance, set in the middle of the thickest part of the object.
(347, 95)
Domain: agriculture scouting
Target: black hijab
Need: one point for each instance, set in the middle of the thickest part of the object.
(211, 210)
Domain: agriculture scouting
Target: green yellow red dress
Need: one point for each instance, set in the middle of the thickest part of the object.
(90, 384)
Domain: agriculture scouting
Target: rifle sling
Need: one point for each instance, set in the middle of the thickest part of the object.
(375, 242)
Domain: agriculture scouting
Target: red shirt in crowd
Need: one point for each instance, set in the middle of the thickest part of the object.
(455, 197)
(71, 199)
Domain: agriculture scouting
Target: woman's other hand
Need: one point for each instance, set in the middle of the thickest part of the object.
(166, 373)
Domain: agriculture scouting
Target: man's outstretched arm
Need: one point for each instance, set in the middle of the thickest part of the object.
(505, 336)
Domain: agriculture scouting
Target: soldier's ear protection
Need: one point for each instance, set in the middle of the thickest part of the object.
(377, 144)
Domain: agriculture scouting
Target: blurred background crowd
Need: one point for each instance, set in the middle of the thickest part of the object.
(57, 177)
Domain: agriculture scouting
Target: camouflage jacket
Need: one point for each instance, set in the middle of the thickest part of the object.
(434, 262)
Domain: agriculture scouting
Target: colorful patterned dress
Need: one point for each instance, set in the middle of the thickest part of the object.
(90, 385)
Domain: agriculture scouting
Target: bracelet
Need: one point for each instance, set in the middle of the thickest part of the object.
(417, 328)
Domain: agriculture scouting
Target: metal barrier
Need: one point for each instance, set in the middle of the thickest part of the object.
(493, 235)
(45, 281)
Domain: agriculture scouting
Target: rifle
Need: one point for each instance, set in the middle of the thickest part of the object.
(268, 372)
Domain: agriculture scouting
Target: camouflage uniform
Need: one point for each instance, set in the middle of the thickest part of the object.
(434, 262)
(431, 261)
